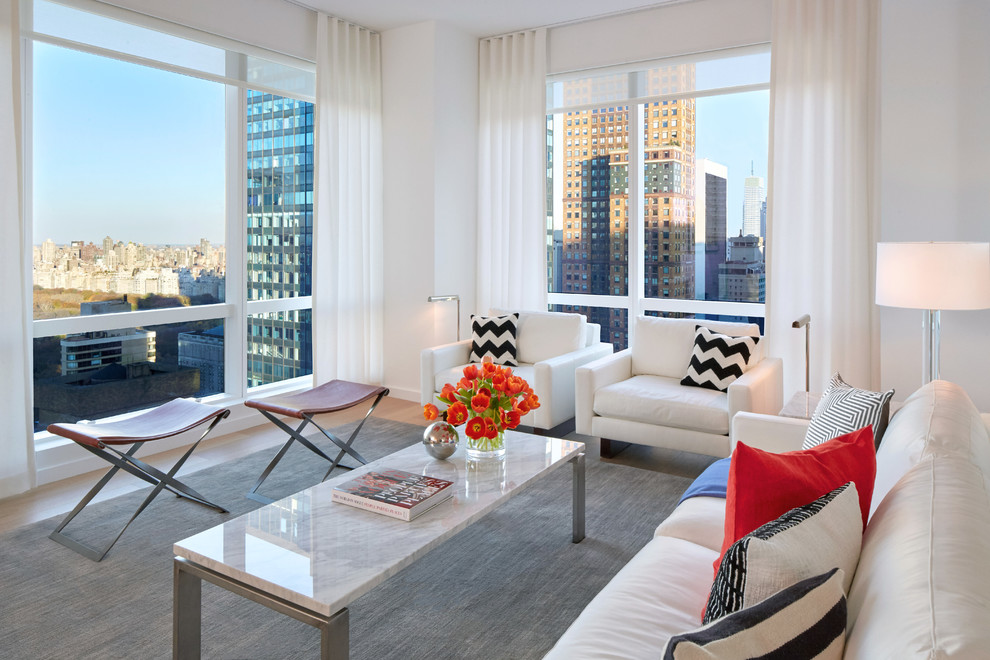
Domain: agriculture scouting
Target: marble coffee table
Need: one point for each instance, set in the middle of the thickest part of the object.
(309, 558)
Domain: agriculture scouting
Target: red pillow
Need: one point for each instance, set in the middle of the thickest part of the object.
(763, 485)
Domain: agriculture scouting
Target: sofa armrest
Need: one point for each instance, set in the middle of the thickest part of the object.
(759, 390)
(768, 432)
(438, 358)
(593, 376)
(555, 379)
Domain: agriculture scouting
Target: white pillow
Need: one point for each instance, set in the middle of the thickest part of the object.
(806, 541)
(806, 621)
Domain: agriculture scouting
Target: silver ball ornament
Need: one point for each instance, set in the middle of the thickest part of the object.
(440, 439)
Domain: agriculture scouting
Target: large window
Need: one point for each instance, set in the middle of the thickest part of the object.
(687, 238)
(171, 210)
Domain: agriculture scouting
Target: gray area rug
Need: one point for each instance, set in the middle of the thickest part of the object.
(507, 587)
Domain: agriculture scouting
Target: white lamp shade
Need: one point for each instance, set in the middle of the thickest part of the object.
(933, 275)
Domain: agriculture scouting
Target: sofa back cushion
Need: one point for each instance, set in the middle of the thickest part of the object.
(544, 335)
(920, 589)
(937, 420)
(663, 346)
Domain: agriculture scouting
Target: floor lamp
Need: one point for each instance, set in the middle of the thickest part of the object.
(805, 322)
(933, 277)
(446, 298)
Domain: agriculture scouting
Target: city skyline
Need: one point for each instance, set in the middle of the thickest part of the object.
(146, 165)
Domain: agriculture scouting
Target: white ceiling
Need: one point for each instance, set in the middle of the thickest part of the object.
(481, 18)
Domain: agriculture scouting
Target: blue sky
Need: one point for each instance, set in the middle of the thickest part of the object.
(126, 151)
(733, 130)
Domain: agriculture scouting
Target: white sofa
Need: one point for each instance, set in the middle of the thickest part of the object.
(922, 586)
(635, 395)
(549, 347)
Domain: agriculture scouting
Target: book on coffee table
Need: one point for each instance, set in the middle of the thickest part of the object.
(396, 493)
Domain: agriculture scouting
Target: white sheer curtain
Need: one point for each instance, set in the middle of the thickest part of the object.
(16, 438)
(348, 266)
(512, 152)
(823, 212)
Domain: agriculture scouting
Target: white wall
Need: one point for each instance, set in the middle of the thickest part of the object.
(430, 122)
(935, 170)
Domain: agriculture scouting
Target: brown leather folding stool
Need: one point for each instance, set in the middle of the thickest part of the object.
(332, 396)
(164, 421)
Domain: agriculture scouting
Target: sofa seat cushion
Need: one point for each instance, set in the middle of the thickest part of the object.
(663, 401)
(921, 588)
(658, 594)
(700, 520)
(524, 371)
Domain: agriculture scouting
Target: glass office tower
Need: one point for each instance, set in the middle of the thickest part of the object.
(279, 234)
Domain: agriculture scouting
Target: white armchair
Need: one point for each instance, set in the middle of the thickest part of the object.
(549, 347)
(635, 395)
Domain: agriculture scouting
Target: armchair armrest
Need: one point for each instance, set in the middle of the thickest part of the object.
(589, 378)
(760, 390)
(768, 432)
(438, 358)
(555, 378)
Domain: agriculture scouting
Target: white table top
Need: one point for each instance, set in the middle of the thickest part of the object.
(322, 555)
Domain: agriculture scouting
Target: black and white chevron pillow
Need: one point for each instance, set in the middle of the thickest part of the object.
(806, 621)
(844, 409)
(717, 359)
(494, 337)
(802, 542)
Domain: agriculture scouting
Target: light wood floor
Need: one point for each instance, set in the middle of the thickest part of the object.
(59, 497)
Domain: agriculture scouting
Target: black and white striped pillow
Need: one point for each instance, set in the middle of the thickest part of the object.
(803, 542)
(806, 621)
(844, 409)
(494, 337)
(717, 359)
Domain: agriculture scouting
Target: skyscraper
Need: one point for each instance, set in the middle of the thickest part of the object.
(595, 202)
(743, 276)
(279, 234)
(754, 195)
(710, 211)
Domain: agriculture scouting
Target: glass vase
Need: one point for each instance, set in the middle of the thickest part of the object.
(483, 447)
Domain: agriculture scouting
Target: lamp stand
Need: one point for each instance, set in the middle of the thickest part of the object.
(932, 347)
(455, 298)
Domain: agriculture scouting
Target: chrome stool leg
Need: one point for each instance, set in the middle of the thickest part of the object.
(127, 462)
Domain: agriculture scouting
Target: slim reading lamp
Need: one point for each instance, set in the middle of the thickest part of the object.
(445, 299)
(805, 322)
(933, 277)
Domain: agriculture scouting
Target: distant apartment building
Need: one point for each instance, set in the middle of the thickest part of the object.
(710, 214)
(203, 350)
(279, 234)
(94, 350)
(742, 278)
(595, 191)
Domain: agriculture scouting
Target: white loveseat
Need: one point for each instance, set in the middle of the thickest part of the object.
(922, 586)
(549, 347)
(635, 395)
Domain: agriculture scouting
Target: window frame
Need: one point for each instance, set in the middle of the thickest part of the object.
(236, 310)
(634, 302)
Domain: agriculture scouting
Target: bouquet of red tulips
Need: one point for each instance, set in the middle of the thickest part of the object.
(489, 399)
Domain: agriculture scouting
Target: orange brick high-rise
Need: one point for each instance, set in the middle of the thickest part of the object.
(595, 200)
